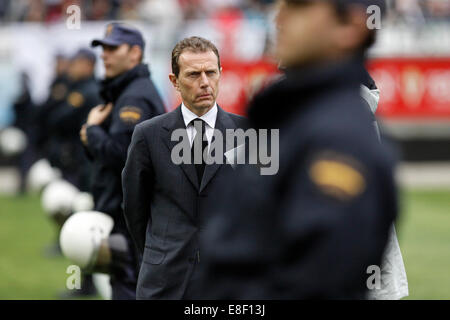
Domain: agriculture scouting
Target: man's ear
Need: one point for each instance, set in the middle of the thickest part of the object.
(136, 52)
(173, 78)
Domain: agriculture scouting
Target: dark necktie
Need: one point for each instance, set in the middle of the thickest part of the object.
(198, 147)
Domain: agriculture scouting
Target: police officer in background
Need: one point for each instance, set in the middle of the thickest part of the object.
(73, 93)
(24, 110)
(130, 97)
(64, 121)
(58, 92)
(311, 230)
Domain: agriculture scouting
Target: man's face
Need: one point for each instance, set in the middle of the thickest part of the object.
(305, 32)
(117, 60)
(198, 80)
(80, 68)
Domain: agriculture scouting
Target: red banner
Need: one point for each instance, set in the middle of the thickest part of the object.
(412, 88)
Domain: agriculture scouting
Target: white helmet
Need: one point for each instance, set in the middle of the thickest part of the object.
(40, 174)
(83, 201)
(57, 198)
(81, 236)
(13, 141)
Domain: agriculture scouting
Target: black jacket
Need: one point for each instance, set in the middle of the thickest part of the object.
(68, 115)
(165, 207)
(59, 90)
(312, 229)
(135, 99)
(63, 121)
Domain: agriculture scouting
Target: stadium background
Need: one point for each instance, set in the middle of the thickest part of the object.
(410, 63)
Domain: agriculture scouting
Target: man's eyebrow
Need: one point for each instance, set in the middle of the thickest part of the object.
(193, 70)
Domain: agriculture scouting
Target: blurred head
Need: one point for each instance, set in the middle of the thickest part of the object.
(123, 48)
(196, 73)
(82, 65)
(61, 65)
(314, 31)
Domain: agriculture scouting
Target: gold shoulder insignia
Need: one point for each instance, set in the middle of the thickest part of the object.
(130, 114)
(76, 99)
(338, 176)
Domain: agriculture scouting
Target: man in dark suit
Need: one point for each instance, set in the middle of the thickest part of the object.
(166, 204)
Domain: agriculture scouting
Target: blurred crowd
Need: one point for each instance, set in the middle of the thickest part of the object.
(51, 128)
(420, 10)
(48, 11)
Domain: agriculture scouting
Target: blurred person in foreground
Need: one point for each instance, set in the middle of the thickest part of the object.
(316, 228)
(130, 97)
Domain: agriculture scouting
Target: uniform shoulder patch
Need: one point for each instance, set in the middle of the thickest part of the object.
(339, 176)
(130, 114)
(75, 99)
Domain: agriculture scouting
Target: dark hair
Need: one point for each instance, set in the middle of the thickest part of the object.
(141, 58)
(341, 10)
(194, 44)
(342, 13)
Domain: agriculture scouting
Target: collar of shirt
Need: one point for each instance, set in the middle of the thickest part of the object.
(210, 118)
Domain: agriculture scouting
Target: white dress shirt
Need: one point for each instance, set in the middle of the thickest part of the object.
(209, 118)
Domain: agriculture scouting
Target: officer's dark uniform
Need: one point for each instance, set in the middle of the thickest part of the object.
(58, 123)
(23, 106)
(311, 230)
(135, 99)
(24, 111)
(63, 124)
(59, 90)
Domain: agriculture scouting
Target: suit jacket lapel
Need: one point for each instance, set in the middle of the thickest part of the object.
(223, 122)
(175, 121)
